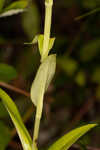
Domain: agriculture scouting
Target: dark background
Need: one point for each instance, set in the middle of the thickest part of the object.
(73, 98)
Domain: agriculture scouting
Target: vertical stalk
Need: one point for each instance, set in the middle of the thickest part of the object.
(37, 122)
(47, 27)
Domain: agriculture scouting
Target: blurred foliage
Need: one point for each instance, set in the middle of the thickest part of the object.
(4, 136)
(31, 26)
(3, 112)
(7, 72)
(13, 8)
(74, 95)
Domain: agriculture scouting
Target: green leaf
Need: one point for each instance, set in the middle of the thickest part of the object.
(98, 92)
(88, 14)
(7, 72)
(14, 8)
(69, 139)
(43, 78)
(5, 136)
(34, 41)
(22, 4)
(15, 116)
(11, 12)
(40, 43)
(68, 64)
(91, 4)
(95, 77)
(31, 21)
(1, 4)
(3, 111)
(90, 50)
(81, 78)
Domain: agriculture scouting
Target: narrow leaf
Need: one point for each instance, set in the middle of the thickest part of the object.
(69, 139)
(11, 12)
(34, 41)
(1, 4)
(15, 116)
(87, 14)
(17, 5)
(40, 43)
(43, 78)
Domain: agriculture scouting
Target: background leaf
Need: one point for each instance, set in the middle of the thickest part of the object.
(14, 8)
(90, 50)
(5, 136)
(11, 12)
(3, 111)
(17, 5)
(31, 26)
(7, 72)
(1, 4)
(68, 64)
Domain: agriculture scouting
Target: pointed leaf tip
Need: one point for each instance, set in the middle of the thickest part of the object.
(16, 118)
(70, 138)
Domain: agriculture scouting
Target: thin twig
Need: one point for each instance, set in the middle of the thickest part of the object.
(15, 89)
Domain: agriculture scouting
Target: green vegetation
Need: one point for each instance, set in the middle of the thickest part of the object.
(72, 68)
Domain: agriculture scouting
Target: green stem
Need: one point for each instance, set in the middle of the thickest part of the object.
(47, 28)
(37, 122)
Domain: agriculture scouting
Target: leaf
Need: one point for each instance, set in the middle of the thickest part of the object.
(11, 12)
(5, 136)
(31, 21)
(95, 77)
(40, 43)
(15, 116)
(1, 4)
(7, 72)
(43, 78)
(81, 78)
(3, 111)
(90, 50)
(14, 8)
(68, 64)
(87, 14)
(39, 39)
(68, 139)
(91, 4)
(34, 41)
(17, 5)
(98, 92)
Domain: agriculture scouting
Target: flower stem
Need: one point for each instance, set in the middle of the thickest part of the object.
(37, 121)
(47, 28)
